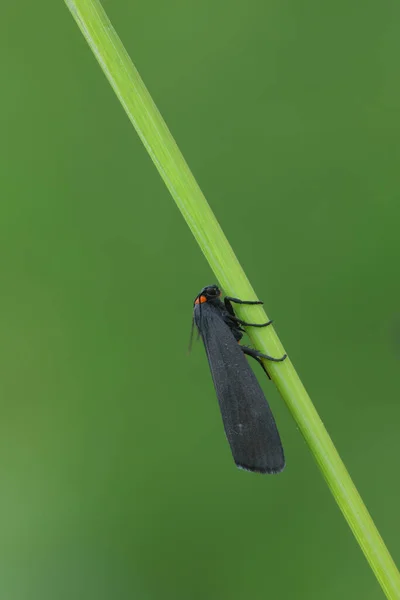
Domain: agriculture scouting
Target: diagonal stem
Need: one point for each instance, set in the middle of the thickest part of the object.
(152, 130)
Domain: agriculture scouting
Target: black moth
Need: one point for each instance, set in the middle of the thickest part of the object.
(248, 421)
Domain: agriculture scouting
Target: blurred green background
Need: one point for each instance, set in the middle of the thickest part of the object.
(116, 478)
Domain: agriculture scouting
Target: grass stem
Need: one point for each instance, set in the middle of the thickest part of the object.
(152, 130)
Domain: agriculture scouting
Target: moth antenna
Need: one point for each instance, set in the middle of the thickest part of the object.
(191, 336)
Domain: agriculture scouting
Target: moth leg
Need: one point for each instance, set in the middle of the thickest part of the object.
(260, 362)
(240, 322)
(228, 305)
(238, 301)
(257, 354)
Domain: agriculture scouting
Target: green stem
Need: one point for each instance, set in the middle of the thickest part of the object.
(141, 110)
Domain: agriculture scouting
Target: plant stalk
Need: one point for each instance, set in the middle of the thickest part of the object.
(158, 141)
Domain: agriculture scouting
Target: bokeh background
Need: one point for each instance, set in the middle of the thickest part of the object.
(116, 480)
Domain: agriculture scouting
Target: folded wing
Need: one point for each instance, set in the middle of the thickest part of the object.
(248, 421)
